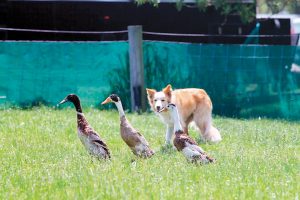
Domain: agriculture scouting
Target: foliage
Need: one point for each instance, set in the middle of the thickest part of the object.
(277, 6)
(119, 83)
(245, 10)
(42, 158)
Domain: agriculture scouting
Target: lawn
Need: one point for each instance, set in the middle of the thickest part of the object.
(42, 158)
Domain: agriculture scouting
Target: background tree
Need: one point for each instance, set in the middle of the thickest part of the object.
(276, 6)
(243, 8)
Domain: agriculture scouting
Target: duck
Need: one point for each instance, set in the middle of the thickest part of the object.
(133, 138)
(87, 135)
(184, 143)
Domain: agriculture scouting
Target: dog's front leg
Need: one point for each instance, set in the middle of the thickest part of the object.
(169, 133)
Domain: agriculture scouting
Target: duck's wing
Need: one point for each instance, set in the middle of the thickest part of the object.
(191, 150)
(198, 148)
(203, 158)
(130, 135)
(98, 141)
(188, 139)
(199, 154)
(142, 139)
(183, 140)
(133, 137)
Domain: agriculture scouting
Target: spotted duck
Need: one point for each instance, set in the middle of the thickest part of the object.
(87, 135)
(184, 143)
(135, 140)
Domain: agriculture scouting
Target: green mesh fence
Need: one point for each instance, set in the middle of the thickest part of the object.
(242, 80)
(45, 72)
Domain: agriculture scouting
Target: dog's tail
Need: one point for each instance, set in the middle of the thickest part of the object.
(212, 135)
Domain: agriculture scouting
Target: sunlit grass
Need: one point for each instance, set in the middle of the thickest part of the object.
(42, 158)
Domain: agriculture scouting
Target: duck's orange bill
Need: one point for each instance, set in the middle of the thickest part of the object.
(108, 100)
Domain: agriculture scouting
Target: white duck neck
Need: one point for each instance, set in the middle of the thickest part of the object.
(177, 124)
(120, 108)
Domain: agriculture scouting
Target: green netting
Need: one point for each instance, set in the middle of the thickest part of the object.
(45, 72)
(242, 80)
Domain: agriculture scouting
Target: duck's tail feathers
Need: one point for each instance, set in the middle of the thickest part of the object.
(149, 153)
(203, 159)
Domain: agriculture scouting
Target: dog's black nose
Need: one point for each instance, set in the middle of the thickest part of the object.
(157, 108)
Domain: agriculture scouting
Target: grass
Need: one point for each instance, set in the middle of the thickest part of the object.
(42, 158)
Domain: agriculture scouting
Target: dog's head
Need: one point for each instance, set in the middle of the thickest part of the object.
(159, 100)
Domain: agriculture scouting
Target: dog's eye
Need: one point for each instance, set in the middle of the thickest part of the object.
(162, 100)
(155, 100)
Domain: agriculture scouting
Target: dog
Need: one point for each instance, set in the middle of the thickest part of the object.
(193, 105)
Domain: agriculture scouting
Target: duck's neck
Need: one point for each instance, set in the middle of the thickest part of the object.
(120, 108)
(177, 125)
(79, 111)
(77, 105)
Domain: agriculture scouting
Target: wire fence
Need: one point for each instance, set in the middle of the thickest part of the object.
(7, 29)
(242, 80)
(61, 31)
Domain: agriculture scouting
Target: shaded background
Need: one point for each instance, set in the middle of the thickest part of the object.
(115, 16)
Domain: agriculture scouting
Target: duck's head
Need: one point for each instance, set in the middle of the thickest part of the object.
(112, 98)
(71, 98)
(171, 107)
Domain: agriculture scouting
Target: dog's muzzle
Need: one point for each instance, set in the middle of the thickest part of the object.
(158, 108)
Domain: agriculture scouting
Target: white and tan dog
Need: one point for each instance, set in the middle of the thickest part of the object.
(193, 105)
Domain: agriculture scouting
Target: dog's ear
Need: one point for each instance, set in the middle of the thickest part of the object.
(168, 90)
(150, 92)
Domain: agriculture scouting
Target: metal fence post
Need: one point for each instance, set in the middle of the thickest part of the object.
(137, 89)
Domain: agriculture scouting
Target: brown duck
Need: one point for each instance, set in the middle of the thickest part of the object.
(87, 135)
(184, 143)
(135, 140)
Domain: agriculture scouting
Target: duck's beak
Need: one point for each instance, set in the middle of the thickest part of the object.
(163, 109)
(108, 100)
(63, 101)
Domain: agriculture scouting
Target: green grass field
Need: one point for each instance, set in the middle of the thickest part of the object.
(42, 158)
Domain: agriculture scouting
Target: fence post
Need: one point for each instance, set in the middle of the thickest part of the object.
(137, 89)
